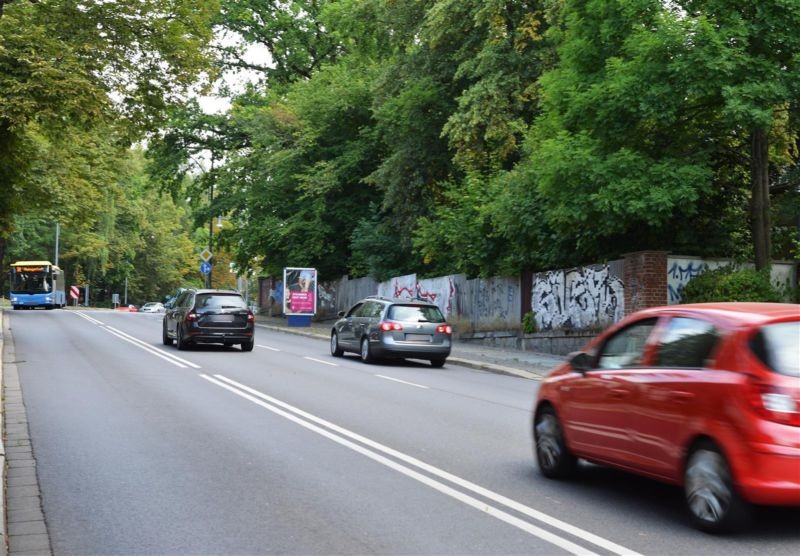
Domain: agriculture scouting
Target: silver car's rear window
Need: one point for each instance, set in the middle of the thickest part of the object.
(415, 313)
(778, 346)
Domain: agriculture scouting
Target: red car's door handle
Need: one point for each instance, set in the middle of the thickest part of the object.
(680, 396)
(618, 392)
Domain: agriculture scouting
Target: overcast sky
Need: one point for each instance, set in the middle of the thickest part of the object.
(235, 81)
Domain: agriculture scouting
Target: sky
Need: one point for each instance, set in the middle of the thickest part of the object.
(234, 81)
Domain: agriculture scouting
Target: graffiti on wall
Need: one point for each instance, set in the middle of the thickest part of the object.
(441, 291)
(326, 298)
(495, 300)
(679, 272)
(402, 287)
(577, 298)
(682, 269)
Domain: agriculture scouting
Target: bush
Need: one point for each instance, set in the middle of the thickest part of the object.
(529, 323)
(728, 283)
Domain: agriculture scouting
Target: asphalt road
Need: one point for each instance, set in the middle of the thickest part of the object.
(141, 449)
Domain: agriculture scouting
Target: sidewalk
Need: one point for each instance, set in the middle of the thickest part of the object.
(525, 364)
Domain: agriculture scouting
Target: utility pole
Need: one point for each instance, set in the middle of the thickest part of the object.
(211, 222)
(58, 233)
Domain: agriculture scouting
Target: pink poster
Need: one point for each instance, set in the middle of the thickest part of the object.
(300, 291)
(301, 302)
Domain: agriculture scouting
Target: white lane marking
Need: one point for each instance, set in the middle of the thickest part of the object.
(87, 317)
(499, 498)
(152, 348)
(441, 487)
(267, 347)
(154, 352)
(403, 381)
(321, 361)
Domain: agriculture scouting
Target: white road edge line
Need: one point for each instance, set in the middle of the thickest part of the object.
(453, 493)
(499, 498)
(167, 359)
(267, 347)
(321, 361)
(403, 382)
(87, 317)
(155, 349)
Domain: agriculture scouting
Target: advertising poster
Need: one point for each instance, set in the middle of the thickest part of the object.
(299, 291)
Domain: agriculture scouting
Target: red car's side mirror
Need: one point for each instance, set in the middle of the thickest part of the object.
(580, 361)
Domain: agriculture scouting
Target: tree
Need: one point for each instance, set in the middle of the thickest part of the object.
(753, 49)
(649, 121)
(292, 33)
(78, 78)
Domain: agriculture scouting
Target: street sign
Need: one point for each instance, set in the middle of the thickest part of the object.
(206, 254)
(73, 292)
(205, 268)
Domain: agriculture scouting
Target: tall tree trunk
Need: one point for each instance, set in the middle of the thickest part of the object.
(759, 200)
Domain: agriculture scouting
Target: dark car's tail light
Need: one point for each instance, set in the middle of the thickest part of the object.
(250, 317)
(444, 329)
(191, 316)
(389, 326)
(774, 403)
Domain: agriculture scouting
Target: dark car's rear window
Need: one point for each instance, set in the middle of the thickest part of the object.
(214, 301)
(415, 313)
(778, 346)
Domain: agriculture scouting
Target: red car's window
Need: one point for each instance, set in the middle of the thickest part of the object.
(687, 343)
(626, 347)
(778, 346)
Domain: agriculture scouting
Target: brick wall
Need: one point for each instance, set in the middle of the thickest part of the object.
(645, 278)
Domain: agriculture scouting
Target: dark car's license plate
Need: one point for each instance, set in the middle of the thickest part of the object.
(418, 337)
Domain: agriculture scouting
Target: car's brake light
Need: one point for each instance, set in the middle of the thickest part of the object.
(251, 317)
(774, 404)
(444, 329)
(389, 326)
(191, 316)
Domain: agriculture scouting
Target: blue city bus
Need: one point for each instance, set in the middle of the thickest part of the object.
(36, 284)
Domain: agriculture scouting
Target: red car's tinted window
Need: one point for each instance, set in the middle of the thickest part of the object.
(686, 343)
(778, 346)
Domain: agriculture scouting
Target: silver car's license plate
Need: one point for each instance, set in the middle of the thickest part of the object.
(418, 337)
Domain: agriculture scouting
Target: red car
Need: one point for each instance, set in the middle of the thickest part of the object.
(704, 396)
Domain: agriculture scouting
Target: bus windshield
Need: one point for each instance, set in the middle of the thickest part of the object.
(30, 281)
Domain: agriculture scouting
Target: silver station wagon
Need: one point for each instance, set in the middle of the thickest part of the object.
(377, 328)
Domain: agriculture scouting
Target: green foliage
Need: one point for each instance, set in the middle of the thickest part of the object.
(79, 82)
(529, 322)
(729, 283)
(292, 32)
(388, 137)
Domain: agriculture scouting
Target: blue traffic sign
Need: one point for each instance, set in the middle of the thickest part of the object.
(205, 268)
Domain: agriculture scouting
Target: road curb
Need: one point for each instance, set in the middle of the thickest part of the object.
(478, 365)
(3, 531)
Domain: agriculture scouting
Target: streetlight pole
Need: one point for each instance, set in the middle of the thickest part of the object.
(211, 222)
(58, 233)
